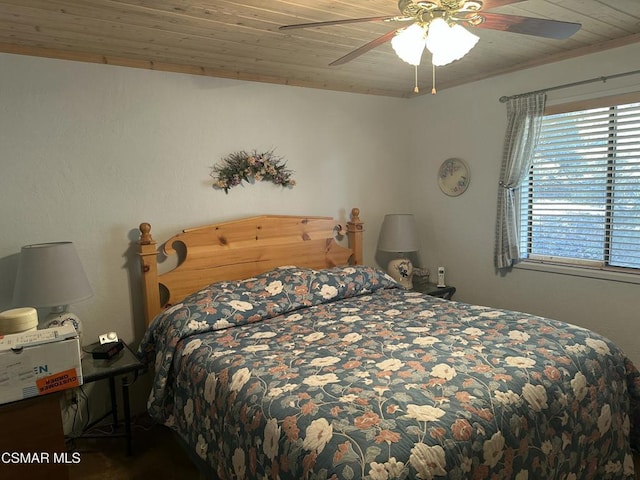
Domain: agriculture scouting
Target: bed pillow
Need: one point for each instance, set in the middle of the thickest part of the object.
(279, 291)
(282, 290)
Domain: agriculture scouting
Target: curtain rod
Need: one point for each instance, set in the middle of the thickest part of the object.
(567, 85)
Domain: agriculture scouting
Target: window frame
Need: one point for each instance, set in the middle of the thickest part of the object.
(578, 267)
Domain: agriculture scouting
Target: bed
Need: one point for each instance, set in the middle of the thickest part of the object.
(278, 355)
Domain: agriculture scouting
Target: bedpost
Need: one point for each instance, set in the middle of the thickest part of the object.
(149, 261)
(355, 228)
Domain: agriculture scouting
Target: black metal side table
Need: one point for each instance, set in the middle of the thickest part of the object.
(432, 289)
(121, 365)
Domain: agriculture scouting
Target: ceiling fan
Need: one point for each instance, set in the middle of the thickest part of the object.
(444, 19)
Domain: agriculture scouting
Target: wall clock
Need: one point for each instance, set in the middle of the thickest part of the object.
(453, 177)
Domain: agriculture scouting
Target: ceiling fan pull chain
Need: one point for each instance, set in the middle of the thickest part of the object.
(433, 80)
(415, 88)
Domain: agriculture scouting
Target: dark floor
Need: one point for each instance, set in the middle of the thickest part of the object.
(156, 455)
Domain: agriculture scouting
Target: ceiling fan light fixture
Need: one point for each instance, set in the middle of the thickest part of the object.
(448, 44)
(409, 43)
(471, 6)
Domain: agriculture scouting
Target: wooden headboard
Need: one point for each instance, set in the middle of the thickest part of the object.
(242, 249)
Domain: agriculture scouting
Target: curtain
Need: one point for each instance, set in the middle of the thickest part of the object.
(524, 119)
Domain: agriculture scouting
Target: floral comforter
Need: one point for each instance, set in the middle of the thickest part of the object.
(304, 374)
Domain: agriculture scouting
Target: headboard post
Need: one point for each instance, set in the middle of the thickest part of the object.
(149, 260)
(355, 229)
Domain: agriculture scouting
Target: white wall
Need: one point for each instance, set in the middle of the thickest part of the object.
(88, 152)
(469, 122)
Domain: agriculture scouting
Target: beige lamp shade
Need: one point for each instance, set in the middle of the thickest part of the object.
(398, 234)
(50, 275)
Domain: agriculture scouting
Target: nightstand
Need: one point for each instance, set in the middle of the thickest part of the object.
(432, 289)
(122, 365)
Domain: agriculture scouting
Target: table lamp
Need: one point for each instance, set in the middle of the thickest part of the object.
(51, 275)
(398, 234)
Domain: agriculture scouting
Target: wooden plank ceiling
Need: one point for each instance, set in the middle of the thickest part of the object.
(233, 39)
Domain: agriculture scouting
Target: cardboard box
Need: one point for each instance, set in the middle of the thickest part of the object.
(39, 362)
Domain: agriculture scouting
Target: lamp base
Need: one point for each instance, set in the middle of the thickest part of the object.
(401, 270)
(59, 316)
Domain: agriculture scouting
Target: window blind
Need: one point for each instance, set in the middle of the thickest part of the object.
(581, 203)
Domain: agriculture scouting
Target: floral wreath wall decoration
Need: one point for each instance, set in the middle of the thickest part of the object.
(251, 167)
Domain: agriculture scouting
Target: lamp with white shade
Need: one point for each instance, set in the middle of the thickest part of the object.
(446, 42)
(409, 43)
(399, 235)
(51, 275)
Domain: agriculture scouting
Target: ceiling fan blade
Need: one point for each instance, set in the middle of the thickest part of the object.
(540, 27)
(489, 4)
(364, 49)
(340, 22)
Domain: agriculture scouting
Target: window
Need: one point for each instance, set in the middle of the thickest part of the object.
(581, 203)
